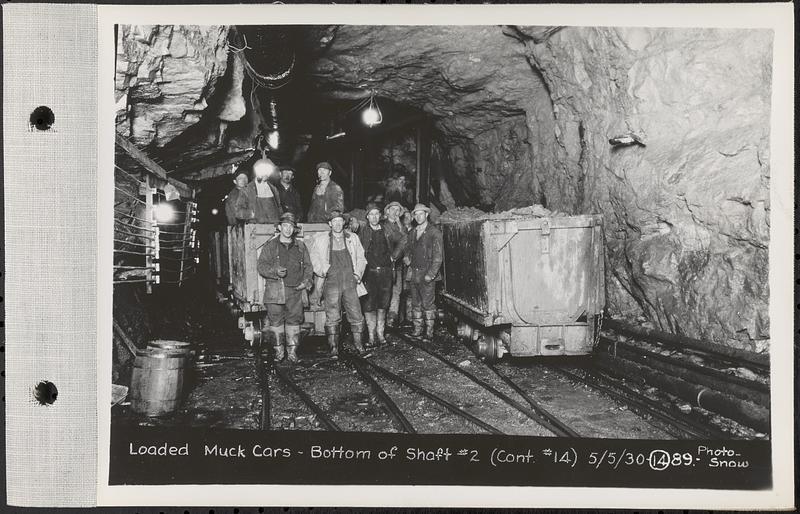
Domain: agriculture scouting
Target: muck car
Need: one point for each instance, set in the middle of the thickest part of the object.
(233, 260)
(526, 286)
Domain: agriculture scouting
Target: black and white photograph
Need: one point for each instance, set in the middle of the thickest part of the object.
(546, 233)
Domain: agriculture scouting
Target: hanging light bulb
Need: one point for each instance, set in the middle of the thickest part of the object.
(164, 213)
(372, 114)
(273, 139)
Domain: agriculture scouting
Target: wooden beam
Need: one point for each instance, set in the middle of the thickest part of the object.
(215, 162)
(152, 166)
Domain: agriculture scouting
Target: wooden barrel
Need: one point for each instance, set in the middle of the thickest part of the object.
(165, 344)
(157, 383)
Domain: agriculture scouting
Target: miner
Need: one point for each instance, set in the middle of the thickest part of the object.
(423, 255)
(396, 230)
(287, 269)
(240, 181)
(339, 264)
(327, 196)
(290, 197)
(382, 248)
(260, 200)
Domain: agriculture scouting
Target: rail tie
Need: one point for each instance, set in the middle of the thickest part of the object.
(324, 418)
(394, 410)
(543, 417)
(428, 394)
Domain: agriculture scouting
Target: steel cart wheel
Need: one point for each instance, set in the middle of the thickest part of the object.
(490, 348)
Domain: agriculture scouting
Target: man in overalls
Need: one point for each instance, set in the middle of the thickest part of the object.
(339, 259)
(286, 265)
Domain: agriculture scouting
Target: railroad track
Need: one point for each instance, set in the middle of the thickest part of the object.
(607, 376)
(362, 366)
(535, 411)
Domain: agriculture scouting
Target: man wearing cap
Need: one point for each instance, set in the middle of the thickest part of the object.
(290, 197)
(286, 265)
(327, 196)
(397, 231)
(424, 257)
(260, 201)
(339, 264)
(240, 181)
(381, 248)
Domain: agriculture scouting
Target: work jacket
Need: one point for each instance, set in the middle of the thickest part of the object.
(269, 261)
(431, 244)
(322, 205)
(290, 199)
(321, 257)
(230, 205)
(397, 232)
(248, 208)
(395, 240)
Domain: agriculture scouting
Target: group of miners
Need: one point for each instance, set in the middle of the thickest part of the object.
(359, 269)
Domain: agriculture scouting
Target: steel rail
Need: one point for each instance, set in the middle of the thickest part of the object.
(324, 418)
(431, 396)
(394, 410)
(647, 406)
(536, 406)
(262, 372)
(544, 418)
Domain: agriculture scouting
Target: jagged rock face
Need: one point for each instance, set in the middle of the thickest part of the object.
(527, 113)
(168, 73)
(686, 216)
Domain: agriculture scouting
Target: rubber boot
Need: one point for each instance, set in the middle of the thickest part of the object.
(409, 312)
(430, 323)
(292, 340)
(371, 318)
(358, 336)
(380, 327)
(416, 321)
(278, 342)
(333, 340)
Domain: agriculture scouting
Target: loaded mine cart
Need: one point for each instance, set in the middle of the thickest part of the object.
(246, 286)
(526, 285)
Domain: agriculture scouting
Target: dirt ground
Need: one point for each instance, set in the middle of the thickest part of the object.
(223, 389)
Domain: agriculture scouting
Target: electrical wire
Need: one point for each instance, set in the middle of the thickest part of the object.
(130, 243)
(130, 234)
(134, 253)
(130, 175)
(130, 195)
(134, 226)
(162, 258)
(131, 216)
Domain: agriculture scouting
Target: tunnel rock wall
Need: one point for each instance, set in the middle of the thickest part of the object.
(167, 74)
(687, 215)
(526, 113)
